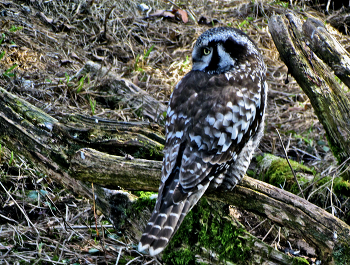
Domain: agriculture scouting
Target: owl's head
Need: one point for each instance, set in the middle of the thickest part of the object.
(219, 50)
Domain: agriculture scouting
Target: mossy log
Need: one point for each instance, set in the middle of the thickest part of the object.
(299, 46)
(76, 150)
(313, 224)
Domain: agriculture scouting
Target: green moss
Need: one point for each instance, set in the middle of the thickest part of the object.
(341, 255)
(203, 231)
(156, 151)
(125, 259)
(341, 186)
(259, 158)
(278, 173)
(145, 200)
(251, 173)
(299, 261)
(149, 151)
(323, 181)
(181, 257)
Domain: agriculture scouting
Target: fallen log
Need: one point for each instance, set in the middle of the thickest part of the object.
(313, 224)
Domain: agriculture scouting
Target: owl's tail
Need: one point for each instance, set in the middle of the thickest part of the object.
(165, 222)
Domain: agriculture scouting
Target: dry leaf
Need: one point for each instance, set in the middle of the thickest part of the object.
(162, 13)
(181, 14)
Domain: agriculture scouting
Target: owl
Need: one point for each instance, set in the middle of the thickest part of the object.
(215, 120)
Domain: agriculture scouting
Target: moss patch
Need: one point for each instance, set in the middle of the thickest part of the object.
(276, 171)
(300, 261)
(341, 255)
(341, 186)
(203, 232)
(146, 199)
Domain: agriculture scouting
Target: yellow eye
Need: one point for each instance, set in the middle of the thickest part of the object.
(206, 51)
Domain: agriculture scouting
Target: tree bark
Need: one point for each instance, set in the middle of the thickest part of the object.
(328, 49)
(298, 45)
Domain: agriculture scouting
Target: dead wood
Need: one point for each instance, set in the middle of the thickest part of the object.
(313, 224)
(295, 43)
(327, 48)
(125, 91)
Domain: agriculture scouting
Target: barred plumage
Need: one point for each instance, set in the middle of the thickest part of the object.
(214, 122)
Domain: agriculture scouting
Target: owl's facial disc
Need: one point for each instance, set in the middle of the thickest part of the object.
(228, 49)
(201, 57)
(213, 58)
(226, 62)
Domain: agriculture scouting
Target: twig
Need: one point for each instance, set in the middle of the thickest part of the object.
(20, 208)
(63, 219)
(268, 232)
(51, 261)
(312, 193)
(171, 2)
(132, 260)
(8, 219)
(58, 227)
(94, 205)
(331, 194)
(105, 22)
(332, 172)
(306, 153)
(288, 144)
(327, 7)
(277, 244)
(79, 214)
(285, 154)
(150, 262)
(120, 252)
(344, 203)
(251, 230)
(7, 252)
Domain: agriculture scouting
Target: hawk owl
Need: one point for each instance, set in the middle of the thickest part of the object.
(215, 120)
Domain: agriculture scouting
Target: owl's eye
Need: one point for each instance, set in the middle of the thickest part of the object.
(206, 51)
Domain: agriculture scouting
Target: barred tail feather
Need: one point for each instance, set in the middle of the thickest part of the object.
(161, 228)
(164, 224)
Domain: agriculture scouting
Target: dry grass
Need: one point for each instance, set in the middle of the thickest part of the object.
(49, 41)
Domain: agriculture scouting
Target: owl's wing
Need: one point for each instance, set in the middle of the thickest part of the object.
(209, 120)
(225, 114)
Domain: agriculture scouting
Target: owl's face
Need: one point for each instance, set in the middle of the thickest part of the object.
(219, 50)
